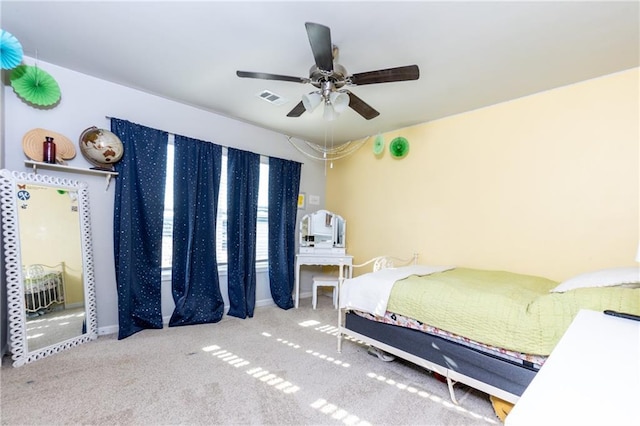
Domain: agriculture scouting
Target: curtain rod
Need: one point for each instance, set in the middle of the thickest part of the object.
(223, 146)
(171, 133)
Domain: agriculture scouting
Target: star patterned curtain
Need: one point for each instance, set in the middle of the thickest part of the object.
(194, 281)
(284, 185)
(137, 225)
(138, 228)
(243, 181)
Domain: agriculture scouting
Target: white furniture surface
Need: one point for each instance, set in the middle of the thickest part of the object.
(64, 168)
(320, 260)
(592, 377)
(325, 281)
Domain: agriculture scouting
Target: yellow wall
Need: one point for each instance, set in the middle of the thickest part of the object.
(547, 185)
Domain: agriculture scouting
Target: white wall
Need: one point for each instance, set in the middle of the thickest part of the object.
(87, 101)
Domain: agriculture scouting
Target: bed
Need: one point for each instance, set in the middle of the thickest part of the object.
(43, 287)
(491, 330)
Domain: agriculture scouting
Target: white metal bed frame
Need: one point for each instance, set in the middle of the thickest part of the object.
(44, 286)
(450, 375)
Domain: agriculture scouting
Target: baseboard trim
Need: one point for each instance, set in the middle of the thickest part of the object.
(112, 329)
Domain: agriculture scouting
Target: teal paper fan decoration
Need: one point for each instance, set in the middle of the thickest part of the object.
(35, 85)
(10, 51)
(399, 147)
(378, 145)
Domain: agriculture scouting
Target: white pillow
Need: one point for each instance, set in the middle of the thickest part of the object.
(602, 278)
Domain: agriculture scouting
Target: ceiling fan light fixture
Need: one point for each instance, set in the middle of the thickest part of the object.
(330, 113)
(340, 101)
(311, 100)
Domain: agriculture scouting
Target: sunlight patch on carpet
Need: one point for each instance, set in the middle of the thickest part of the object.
(256, 372)
(327, 358)
(308, 351)
(337, 413)
(423, 394)
(226, 356)
(328, 329)
(273, 380)
(288, 343)
(211, 348)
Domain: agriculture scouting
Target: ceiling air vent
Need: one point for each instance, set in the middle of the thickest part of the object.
(271, 97)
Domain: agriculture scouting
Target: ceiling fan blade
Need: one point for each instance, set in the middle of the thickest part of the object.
(297, 110)
(361, 107)
(410, 72)
(320, 40)
(266, 76)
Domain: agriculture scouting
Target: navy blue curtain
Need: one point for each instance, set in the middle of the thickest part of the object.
(194, 281)
(243, 180)
(137, 226)
(284, 184)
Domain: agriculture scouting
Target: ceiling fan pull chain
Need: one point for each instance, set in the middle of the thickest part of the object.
(331, 164)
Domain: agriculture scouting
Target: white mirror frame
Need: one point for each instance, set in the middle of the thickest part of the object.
(13, 265)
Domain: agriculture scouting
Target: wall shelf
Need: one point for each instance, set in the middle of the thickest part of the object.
(59, 167)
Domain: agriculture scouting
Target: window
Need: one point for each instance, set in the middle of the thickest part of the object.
(262, 236)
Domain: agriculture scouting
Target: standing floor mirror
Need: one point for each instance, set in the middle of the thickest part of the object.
(49, 266)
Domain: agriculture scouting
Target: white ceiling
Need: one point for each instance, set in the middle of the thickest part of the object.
(470, 54)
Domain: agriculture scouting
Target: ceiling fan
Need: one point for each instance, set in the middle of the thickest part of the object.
(330, 78)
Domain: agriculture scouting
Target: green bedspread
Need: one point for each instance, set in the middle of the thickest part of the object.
(502, 309)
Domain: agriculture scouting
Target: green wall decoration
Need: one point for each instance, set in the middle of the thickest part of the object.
(35, 85)
(399, 147)
(378, 145)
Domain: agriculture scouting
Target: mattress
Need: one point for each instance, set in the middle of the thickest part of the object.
(501, 309)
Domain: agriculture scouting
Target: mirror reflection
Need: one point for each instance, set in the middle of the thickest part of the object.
(51, 264)
(47, 244)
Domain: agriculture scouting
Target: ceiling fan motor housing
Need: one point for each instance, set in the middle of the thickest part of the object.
(338, 76)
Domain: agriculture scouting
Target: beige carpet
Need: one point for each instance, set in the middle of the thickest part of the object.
(278, 368)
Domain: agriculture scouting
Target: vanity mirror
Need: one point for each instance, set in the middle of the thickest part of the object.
(48, 262)
(322, 232)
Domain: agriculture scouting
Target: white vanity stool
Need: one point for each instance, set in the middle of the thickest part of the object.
(325, 281)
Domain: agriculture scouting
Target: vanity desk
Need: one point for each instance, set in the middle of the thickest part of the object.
(321, 243)
(320, 260)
